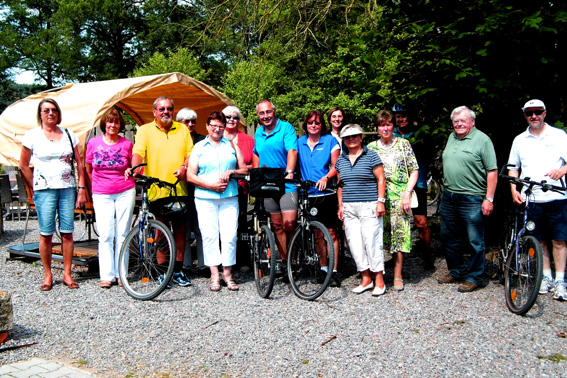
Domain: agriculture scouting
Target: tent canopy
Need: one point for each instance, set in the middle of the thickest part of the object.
(83, 105)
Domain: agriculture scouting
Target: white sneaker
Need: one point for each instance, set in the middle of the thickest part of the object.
(560, 291)
(546, 285)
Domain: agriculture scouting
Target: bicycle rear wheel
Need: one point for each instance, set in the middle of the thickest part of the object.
(264, 261)
(308, 247)
(523, 275)
(146, 260)
(433, 192)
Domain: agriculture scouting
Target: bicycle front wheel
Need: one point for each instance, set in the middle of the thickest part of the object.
(264, 249)
(146, 260)
(310, 248)
(523, 275)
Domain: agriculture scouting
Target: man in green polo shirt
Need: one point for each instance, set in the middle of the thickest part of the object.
(470, 177)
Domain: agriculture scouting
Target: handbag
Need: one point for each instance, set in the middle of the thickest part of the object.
(414, 202)
(73, 150)
(267, 182)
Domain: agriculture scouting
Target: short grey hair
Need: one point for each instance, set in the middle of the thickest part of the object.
(460, 109)
(232, 109)
(163, 98)
(273, 107)
(186, 113)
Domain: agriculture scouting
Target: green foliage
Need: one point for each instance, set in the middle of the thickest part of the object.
(182, 61)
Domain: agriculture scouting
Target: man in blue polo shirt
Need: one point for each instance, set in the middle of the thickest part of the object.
(276, 147)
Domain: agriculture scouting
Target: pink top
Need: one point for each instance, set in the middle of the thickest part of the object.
(109, 163)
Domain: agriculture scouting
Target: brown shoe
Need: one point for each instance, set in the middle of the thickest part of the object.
(467, 287)
(446, 278)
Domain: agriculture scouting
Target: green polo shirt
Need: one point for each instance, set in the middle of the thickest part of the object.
(466, 163)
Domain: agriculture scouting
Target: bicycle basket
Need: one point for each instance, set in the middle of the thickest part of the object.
(267, 182)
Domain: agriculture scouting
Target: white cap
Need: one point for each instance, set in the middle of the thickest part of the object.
(534, 104)
(352, 129)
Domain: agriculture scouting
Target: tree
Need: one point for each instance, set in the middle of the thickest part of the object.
(181, 61)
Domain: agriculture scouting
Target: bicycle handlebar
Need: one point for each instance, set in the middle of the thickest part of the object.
(147, 181)
(306, 184)
(527, 181)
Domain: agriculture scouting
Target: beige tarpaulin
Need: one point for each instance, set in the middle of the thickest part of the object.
(82, 106)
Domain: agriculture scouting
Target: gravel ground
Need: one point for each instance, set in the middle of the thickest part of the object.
(428, 330)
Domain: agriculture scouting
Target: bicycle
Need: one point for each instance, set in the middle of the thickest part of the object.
(310, 244)
(261, 237)
(433, 190)
(147, 257)
(521, 258)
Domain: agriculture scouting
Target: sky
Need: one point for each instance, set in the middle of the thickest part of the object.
(25, 77)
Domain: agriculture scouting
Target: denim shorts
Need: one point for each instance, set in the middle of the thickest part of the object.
(50, 201)
(550, 219)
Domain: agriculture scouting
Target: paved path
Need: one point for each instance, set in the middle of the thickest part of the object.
(39, 368)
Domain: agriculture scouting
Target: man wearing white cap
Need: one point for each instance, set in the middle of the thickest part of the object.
(540, 153)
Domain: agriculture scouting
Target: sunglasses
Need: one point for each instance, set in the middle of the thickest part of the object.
(190, 121)
(169, 109)
(530, 113)
(232, 117)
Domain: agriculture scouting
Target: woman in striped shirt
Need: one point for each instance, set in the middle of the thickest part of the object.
(361, 207)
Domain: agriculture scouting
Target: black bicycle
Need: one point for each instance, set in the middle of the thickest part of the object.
(264, 183)
(521, 258)
(147, 257)
(310, 248)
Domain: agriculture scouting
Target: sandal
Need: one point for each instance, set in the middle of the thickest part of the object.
(398, 287)
(215, 285)
(105, 284)
(46, 287)
(71, 285)
(231, 285)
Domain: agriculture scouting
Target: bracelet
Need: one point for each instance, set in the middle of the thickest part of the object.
(382, 200)
(81, 187)
(184, 166)
(289, 172)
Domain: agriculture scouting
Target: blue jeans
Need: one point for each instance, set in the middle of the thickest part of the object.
(462, 230)
(47, 202)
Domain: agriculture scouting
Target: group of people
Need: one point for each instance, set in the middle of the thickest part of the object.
(384, 184)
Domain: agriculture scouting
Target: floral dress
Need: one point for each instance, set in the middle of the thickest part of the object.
(397, 229)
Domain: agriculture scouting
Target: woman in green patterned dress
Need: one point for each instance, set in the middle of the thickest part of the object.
(400, 169)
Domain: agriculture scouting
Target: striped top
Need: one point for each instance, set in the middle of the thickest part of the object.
(360, 184)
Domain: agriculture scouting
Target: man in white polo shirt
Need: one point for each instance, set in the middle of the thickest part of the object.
(540, 153)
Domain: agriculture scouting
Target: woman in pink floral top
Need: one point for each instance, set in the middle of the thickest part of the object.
(108, 156)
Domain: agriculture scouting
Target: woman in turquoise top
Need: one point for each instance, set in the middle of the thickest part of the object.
(212, 162)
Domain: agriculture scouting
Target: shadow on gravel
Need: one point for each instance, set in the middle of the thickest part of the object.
(538, 308)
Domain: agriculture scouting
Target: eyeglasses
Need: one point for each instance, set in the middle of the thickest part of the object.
(219, 127)
(267, 112)
(47, 111)
(232, 117)
(530, 113)
(169, 109)
(189, 121)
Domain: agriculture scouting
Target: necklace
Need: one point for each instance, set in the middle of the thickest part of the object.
(388, 145)
(109, 141)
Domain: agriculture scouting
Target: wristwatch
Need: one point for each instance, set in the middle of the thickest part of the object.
(491, 200)
(383, 200)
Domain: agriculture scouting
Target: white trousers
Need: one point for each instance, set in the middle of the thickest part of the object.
(364, 232)
(218, 217)
(113, 214)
